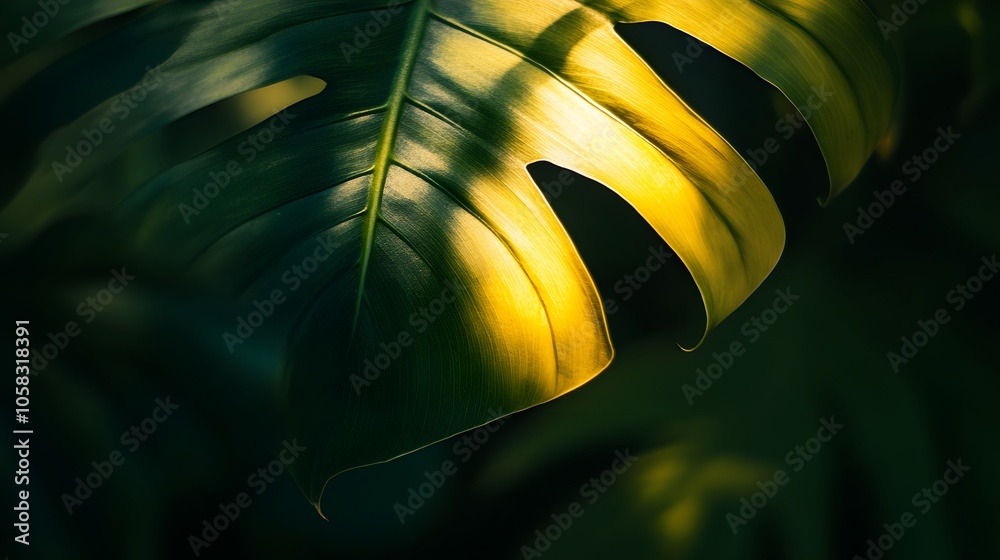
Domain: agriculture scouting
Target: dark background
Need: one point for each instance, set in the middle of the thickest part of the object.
(826, 356)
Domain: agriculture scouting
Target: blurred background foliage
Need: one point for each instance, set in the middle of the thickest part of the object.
(826, 356)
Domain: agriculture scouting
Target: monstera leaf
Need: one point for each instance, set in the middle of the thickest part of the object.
(383, 236)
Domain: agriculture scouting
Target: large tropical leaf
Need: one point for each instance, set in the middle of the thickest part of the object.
(452, 294)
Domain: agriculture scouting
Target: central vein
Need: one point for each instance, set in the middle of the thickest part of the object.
(387, 141)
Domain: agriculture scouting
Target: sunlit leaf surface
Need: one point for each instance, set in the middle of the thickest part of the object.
(383, 234)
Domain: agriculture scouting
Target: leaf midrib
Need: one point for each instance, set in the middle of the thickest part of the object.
(387, 143)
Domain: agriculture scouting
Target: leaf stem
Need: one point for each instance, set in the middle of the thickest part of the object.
(387, 142)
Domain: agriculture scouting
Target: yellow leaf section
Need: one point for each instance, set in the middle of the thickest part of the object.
(587, 102)
(802, 47)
